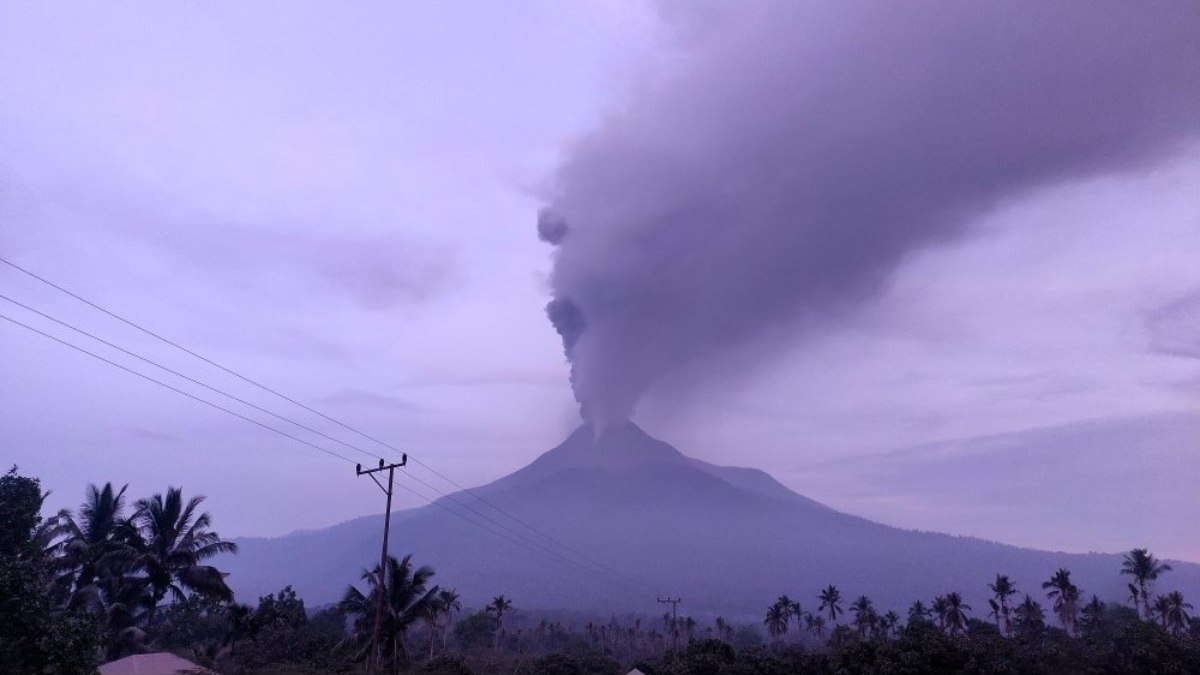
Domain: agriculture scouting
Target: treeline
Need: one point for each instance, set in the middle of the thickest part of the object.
(87, 587)
(1025, 618)
(122, 576)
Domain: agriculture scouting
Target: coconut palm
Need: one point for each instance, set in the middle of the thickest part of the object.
(1144, 568)
(785, 603)
(724, 631)
(50, 538)
(830, 597)
(865, 617)
(1002, 590)
(776, 621)
(406, 599)
(92, 542)
(171, 542)
(954, 614)
(816, 625)
(448, 602)
(498, 606)
(1028, 618)
(1092, 613)
(1174, 611)
(939, 609)
(919, 612)
(889, 624)
(1134, 595)
(689, 627)
(92, 555)
(1159, 610)
(1065, 596)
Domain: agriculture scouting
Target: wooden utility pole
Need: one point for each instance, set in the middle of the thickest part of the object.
(674, 602)
(381, 582)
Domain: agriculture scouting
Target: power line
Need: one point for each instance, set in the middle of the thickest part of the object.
(526, 544)
(175, 389)
(328, 418)
(570, 564)
(182, 375)
(269, 412)
(540, 547)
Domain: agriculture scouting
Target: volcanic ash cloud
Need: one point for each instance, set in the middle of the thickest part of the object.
(782, 159)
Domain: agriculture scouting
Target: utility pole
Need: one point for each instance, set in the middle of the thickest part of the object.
(674, 602)
(381, 583)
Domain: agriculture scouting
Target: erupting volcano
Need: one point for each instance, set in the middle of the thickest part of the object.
(648, 518)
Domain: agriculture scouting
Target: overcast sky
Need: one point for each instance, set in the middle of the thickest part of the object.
(339, 201)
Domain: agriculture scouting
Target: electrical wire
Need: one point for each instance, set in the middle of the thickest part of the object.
(521, 542)
(213, 389)
(230, 371)
(174, 389)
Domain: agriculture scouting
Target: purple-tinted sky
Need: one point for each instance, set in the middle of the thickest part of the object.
(339, 201)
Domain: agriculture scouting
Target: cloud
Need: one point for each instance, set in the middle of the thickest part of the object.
(784, 159)
(362, 398)
(1041, 487)
(1174, 328)
(375, 269)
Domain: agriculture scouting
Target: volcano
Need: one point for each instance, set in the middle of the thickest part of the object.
(622, 517)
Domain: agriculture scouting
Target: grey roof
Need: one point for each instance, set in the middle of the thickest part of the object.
(160, 663)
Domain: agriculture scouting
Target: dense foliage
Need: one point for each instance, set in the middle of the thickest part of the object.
(79, 589)
(36, 636)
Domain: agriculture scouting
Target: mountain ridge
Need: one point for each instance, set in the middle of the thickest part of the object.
(729, 538)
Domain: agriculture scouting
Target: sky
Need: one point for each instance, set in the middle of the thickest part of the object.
(340, 202)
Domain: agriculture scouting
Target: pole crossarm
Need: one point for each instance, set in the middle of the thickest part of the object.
(381, 583)
(674, 602)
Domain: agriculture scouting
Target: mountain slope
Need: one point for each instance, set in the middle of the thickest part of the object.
(649, 520)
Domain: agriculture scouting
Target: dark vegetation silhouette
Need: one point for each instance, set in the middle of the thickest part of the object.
(77, 589)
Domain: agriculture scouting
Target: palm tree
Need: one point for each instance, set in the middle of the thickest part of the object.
(785, 603)
(889, 623)
(816, 625)
(447, 600)
(1029, 618)
(776, 621)
(723, 629)
(1065, 596)
(1134, 595)
(1092, 613)
(689, 627)
(797, 611)
(1160, 608)
(406, 599)
(171, 541)
(499, 606)
(1144, 568)
(101, 529)
(918, 612)
(865, 617)
(830, 597)
(939, 608)
(1174, 612)
(238, 617)
(954, 615)
(1002, 590)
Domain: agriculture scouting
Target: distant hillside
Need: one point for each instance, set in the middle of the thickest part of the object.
(726, 539)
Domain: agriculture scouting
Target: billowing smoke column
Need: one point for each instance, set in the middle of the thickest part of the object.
(784, 158)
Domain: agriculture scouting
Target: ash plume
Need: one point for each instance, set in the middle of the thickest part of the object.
(551, 226)
(784, 158)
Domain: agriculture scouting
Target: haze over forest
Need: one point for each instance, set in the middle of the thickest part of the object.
(945, 283)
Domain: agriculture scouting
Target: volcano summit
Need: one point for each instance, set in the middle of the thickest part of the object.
(622, 516)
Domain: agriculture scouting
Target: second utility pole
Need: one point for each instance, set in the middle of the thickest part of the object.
(381, 583)
(674, 621)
